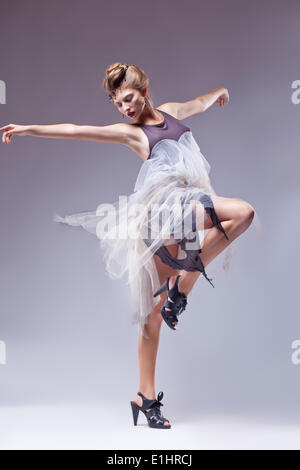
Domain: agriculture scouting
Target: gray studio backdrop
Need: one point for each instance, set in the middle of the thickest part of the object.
(67, 326)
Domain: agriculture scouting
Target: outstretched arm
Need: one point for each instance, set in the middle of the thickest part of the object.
(199, 104)
(119, 133)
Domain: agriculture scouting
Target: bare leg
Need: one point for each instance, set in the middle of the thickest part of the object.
(148, 347)
(235, 216)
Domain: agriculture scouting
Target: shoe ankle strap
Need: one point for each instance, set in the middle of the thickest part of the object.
(177, 280)
(147, 403)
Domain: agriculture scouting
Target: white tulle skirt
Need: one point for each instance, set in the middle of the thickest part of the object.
(162, 210)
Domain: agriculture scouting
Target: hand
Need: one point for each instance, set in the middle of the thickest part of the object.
(10, 130)
(223, 98)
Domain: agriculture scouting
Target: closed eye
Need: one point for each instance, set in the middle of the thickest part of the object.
(126, 100)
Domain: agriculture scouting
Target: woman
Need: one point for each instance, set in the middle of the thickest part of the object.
(172, 184)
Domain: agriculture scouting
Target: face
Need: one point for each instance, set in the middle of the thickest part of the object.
(129, 102)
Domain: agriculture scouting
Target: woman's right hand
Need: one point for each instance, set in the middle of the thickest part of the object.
(12, 129)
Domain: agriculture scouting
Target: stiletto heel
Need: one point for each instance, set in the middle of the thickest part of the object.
(151, 409)
(163, 287)
(135, 412)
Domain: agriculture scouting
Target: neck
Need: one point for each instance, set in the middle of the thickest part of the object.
(147, 114)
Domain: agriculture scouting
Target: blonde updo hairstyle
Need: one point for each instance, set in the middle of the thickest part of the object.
(127, 76)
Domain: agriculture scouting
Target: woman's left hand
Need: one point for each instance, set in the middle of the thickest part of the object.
(223, 98)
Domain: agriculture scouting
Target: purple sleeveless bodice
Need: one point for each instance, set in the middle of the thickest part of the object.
(170, 128)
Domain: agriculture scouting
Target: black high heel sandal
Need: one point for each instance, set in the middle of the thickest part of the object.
(177, 306)
(151, 409)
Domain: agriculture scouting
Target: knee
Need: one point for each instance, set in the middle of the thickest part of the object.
(246, 214)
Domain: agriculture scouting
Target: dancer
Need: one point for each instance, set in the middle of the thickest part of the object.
(158, 232)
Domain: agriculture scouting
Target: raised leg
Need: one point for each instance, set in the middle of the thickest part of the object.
(235, 217)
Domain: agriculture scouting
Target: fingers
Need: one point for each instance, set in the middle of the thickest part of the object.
(223, 99)
(6, 137)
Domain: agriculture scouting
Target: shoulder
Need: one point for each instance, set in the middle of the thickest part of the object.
(133, 137)
(126, 131)
(177, 110)
(170, 108)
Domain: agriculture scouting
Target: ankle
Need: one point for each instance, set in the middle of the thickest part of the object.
(183, 288)
(148, 393)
